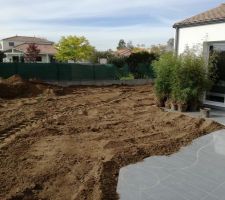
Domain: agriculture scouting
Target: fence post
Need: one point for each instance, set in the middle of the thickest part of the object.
(94, 76)
(57, 68)
(16, 68)
(72, 72)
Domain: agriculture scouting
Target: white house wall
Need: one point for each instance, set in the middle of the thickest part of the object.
(9, 57)
(5, 44)
(197, 35)
(1, 45)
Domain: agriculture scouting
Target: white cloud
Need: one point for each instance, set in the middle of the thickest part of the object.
(23, 17)
(101, 37)
(51, 9)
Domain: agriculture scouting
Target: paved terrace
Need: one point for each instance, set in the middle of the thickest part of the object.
(196, 172)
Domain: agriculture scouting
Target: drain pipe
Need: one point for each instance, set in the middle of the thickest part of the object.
(177, 38)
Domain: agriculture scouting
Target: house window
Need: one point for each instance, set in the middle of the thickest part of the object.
(39, 59)
(11, 44)
(211, 48)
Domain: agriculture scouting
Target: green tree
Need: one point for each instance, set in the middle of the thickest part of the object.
(2, 55)
(74, 48)
(101, 54)
(130, 45)
(158, 49)
(121, 44)
(140, 63)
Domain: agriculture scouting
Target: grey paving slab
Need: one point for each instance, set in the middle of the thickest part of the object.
(211, 197)
(196, 172)
(215, 114)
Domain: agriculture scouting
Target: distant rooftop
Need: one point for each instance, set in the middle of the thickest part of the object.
(125, 52)
(44, 48)
(215, 15)
(26, 39)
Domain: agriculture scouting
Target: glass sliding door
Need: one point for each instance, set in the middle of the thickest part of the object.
(217, 94)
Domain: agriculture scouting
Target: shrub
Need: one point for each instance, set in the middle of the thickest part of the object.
(140, 63)
(128, 77)
(182, 79)
(2, 56)
(122, 72)
(164, 70)
(192, 79)
(119, 62)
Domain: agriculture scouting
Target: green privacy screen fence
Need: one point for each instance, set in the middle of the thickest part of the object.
(58, 72)
(63, 72)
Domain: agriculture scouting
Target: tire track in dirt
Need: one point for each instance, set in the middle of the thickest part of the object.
(28, 124)
(11, 132)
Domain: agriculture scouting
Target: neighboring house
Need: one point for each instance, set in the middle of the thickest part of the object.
(15, 48)
(207, 31)
(125, 52)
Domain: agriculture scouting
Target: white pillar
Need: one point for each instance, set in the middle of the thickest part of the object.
(48, 61)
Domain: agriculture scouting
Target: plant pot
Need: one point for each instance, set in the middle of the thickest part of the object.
(173, 106)
(205, 112)
(194, 106)
(160, 102)
(182, 107)
(167, 104)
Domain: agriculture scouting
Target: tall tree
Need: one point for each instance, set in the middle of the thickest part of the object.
(101, 54)
(74, 48)
(121, 44)
(158, 49)
(2, 55)
(170, 44)
(32, 53)
(138, 60)
(130, 45)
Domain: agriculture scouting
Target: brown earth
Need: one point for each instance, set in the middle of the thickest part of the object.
(16, 87)
(72, 146)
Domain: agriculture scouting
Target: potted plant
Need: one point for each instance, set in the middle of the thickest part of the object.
(182, 107)
(164, 71)
(160, 101)
(192, 79)
(168, 104)
(182, 96)
(173, 105)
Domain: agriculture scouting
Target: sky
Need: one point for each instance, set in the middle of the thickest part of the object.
(102, 22)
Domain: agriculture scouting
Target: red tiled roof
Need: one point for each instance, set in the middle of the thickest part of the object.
(123, 52)
(44, 48)
(214, 15)
(26, 39)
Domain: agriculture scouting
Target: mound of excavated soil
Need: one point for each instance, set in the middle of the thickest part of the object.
(72, 147)
(16, 87)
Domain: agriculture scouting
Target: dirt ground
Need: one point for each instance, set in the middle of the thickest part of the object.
(72, 146)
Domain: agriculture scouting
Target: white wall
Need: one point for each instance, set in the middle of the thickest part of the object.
(5, 44)
(1, 45)
(9, 57)
(45, 59)
(192, 36)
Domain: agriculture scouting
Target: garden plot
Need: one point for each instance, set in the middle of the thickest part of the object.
(72, 146)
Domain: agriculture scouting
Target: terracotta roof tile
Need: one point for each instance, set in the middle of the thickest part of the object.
(44, 48)
(123, 52)
(26, 39)
(214, 15)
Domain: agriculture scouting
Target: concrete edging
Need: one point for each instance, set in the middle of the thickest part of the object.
(102, 82)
